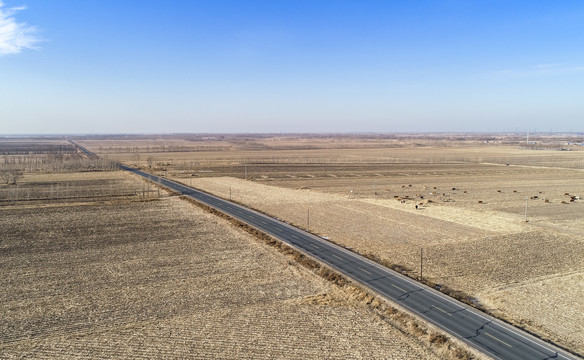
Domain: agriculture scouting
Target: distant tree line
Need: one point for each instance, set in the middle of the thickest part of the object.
(12, 167)
(540, 146)
(23, 148)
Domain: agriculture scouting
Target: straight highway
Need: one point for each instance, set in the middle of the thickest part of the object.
(493, 337)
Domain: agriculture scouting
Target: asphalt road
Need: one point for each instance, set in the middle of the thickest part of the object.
(493, 337)
(84, 150)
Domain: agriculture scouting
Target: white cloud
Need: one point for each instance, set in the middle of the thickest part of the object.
(15, 36)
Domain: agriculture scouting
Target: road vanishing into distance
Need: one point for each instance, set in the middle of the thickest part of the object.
(493, 337)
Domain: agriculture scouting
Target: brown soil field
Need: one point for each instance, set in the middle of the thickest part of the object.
(470, 220)
(225, 155)
(39, 188)
(485, 250)
(125, 278)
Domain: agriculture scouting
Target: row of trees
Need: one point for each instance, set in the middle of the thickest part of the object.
(160, 148)
(29, 148)
(12, 168)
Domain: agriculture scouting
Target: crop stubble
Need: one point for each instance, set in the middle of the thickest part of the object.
(473, 232)
(471, 221)
(134, 279)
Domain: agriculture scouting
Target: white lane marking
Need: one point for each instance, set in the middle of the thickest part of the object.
(365, 270)
(496, 338)
(314, 245)
(444, 311)
(338, 257)
(395, 286)
(295, 237)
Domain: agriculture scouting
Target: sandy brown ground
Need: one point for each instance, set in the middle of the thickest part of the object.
(163, 279)
(43, 189)
(486, 250)
(472, 196)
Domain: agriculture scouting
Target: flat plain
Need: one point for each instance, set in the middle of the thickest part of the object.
(473, 197)
(118, 271)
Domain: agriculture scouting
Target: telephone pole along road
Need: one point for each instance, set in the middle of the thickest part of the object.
(493, 337)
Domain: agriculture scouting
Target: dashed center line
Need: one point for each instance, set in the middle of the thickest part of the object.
(496, 338)
(365, 271)
(314, 245)
(395, 286)
(444, 311)
(295, 237)
(338, 257)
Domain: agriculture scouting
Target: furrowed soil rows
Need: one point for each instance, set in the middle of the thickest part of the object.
(467, 247)
(164, 279)
(497, 217)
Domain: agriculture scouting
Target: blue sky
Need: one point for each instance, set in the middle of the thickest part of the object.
(290, 66)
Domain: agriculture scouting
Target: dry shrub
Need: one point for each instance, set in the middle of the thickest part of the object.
(416, 329)
(333, 276)
(390, 311)
(435, 338)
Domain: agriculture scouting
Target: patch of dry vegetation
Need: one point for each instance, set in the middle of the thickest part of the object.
(470, 221)
(225, 155)
(56, 188)
(471, 194)
(163, 279)
(468, 257)
(444, 345)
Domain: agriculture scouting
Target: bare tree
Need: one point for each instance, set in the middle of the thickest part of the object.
(10, 175)
(5, 175)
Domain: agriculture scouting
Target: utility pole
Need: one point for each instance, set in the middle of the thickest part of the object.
(421, 264)
(374, 189)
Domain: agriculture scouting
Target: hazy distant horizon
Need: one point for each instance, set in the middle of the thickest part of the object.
(300, 134)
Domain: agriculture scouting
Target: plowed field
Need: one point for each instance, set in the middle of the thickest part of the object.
(133, 279)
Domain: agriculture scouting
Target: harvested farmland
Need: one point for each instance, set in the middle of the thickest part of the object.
(493, 214)
(127, 278)
(471, 247)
